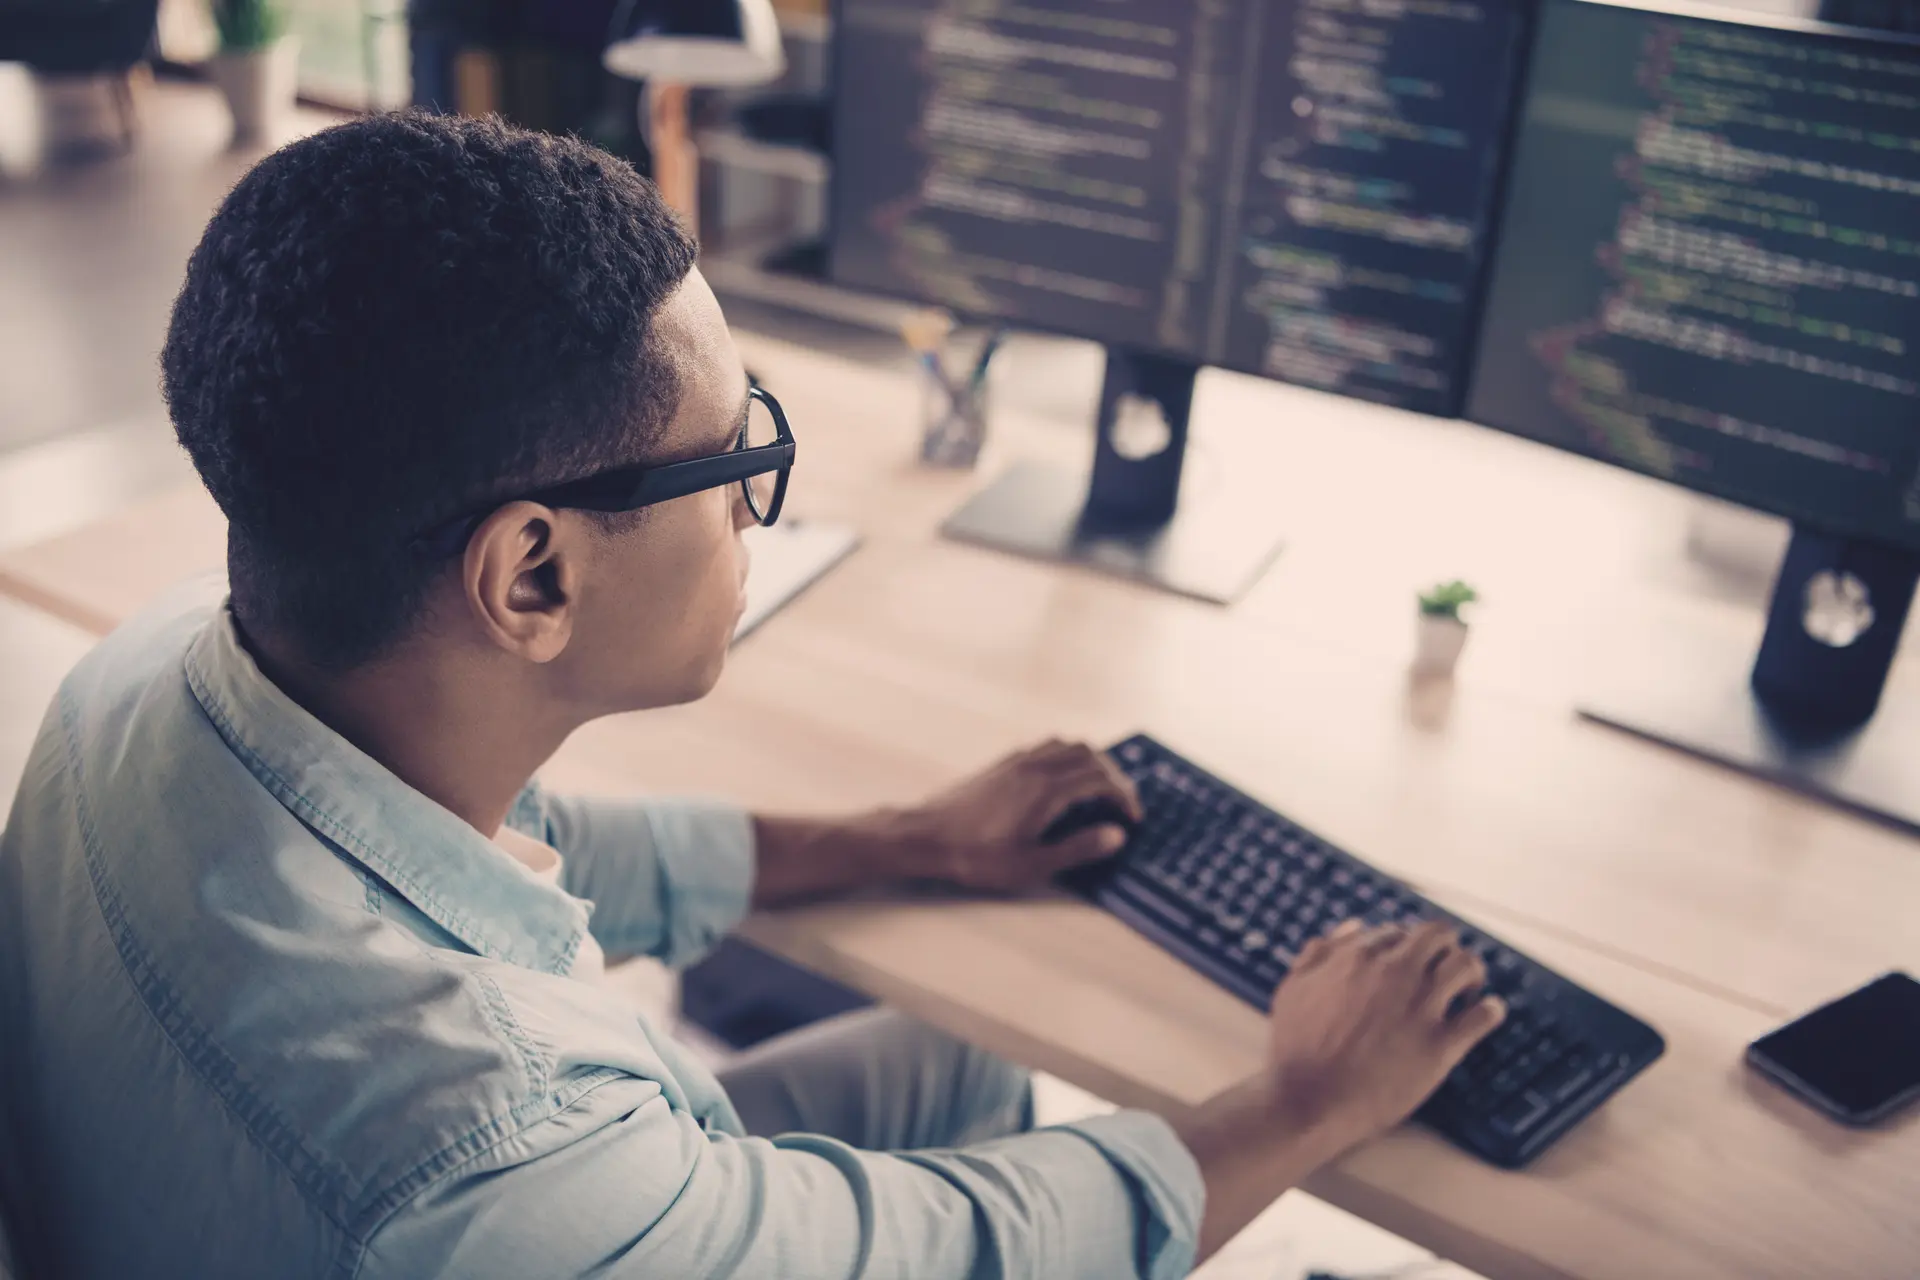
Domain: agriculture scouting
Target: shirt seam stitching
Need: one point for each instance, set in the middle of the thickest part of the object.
(282, 789)
(499, 1011)
(181, 1030)
(304, 807)
(470, 1147)
(326, 1185)
(346, 1213)
(571, 950)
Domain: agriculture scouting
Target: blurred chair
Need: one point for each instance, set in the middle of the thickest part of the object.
(82, 37)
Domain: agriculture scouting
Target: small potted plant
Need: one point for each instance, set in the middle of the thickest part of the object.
(257, 67)
(1443, 633)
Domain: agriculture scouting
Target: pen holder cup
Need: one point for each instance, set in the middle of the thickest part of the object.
(953, 421)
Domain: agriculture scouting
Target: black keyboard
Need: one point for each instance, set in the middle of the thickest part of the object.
(1236, 890)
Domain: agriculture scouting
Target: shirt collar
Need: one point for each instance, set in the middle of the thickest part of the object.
(451, 873)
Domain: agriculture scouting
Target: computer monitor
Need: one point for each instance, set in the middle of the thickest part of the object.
(1708, 270)
(1293, 188)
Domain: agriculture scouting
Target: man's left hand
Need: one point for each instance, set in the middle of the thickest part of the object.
(985, 832)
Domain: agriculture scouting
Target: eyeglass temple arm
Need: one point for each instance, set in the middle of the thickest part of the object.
(683, 478)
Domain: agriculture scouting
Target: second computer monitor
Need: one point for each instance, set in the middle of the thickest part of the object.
(1709, 262)
(1294, 188)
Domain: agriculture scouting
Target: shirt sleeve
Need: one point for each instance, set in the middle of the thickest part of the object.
(621, 1184)
(667, 878)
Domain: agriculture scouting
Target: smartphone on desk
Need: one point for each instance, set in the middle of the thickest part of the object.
(1856, 1058)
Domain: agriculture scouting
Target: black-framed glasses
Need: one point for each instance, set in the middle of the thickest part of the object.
(759, 462)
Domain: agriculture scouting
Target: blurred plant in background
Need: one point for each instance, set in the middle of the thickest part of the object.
(248, 24)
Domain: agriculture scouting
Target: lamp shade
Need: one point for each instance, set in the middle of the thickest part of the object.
(707, 44)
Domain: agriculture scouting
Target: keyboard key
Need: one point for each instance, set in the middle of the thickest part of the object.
(1564, 1084)
(1506, 1043)
(1153, 902)
(1519, 1116)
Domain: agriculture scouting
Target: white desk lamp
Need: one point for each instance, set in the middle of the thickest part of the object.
(677, 45)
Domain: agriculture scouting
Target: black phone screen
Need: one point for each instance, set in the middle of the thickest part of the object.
(1860, 1052)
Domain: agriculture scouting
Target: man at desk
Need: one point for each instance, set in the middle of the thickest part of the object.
(300, 970)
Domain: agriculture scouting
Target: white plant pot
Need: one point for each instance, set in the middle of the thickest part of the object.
(1437, 645)
(259, 85)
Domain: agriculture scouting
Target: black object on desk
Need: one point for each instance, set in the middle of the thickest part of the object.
(1235, 890)
(745, 995)
(1856, 1058)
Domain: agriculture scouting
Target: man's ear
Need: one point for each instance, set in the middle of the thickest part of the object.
(521, 577)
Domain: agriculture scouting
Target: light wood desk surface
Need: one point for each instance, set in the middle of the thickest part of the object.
(37, 651)
(1710, 905)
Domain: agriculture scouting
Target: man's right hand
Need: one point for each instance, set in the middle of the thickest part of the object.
(1359, 1030)
(1359, 1037)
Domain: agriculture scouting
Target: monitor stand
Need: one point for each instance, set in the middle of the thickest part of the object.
(1123, 522)
(1808, 716)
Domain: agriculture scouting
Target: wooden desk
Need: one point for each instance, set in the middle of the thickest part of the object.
(1711, 905)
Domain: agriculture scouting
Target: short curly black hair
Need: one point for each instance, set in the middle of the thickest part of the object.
(393, 320)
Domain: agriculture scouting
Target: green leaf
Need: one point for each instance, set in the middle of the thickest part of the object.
(1446, 599)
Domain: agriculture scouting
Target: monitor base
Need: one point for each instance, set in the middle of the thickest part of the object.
(1809, 716)
(1868, 771)
(1213, 551)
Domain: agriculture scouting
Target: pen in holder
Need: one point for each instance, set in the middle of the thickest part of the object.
(953, 410)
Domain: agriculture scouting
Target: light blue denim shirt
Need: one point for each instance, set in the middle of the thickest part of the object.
(267, 1011)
